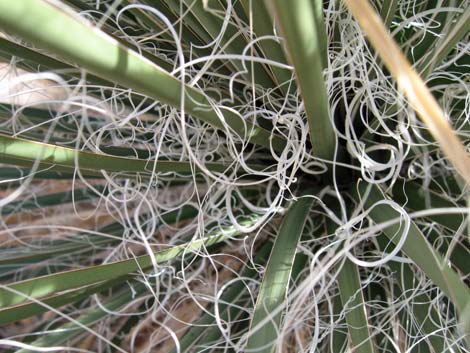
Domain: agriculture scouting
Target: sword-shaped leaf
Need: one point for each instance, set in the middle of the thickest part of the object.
(273, 291)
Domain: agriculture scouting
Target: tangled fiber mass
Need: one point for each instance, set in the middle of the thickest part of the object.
(136, 224)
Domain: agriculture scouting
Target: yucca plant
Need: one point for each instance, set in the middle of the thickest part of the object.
(234, 176)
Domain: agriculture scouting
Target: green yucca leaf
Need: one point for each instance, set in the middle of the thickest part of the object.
(82, 6)
(235, 309)
(338, 338)
(19, 256)
(273, 291)
(417, 49)
(235, 43)
(427, 259)
(352, 299)
(53, 283)
(205, 329)
(22, 152)
(33, 57)
(322, 36)
(13, 174)
(172, 10)
(298, 21)
(33, 60)
(108, 28)
(447, 43)
(22, 255)
(88, 318)
(415, 198)
(41, 22)
(64, 125)
(193, 35)
(188, 33)
(388, 10)
(263, 26)
(424, 314)
(427, 49)
(22, 311)
(47, 200)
